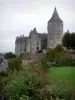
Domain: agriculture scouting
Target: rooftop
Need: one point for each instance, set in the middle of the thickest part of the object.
(55, 16)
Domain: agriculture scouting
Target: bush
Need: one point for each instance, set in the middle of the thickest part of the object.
(27, 88)
(29, 83)
(61, 91)
(50, 55)
(18, 87)
(59, 48)
(3, 82)
(14, 64)
(57, 58)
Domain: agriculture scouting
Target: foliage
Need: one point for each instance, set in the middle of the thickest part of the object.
(39, 72)
(59, 48)
(1, 85)
(19, 86)
(29, 86)
(3, 82)
(68, 40)
(14, 64)
(9, 55)
(44, 62)
(50, 54)
(57, 57)
(30, 83)
(61, 91)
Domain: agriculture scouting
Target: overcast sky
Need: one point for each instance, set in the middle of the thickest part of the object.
(20, 16)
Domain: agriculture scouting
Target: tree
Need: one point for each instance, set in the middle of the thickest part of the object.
(68, 40)
(73, 41)
(9, 55)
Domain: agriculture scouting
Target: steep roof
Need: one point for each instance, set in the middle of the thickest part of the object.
(55, 16)
(42, 36)
(21, 39)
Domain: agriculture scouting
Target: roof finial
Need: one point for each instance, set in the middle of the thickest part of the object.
(55, 10)
(55, 6)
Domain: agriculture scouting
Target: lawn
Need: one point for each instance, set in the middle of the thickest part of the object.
(63, 74)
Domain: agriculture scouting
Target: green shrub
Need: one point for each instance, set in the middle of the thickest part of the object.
(28, 88)
(14, 64)
(1, 84)
(59, 48)
(50, 55)
(19, 86)
(57, 58)
(61, 91)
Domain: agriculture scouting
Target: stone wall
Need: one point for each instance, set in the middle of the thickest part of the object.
(55, 33)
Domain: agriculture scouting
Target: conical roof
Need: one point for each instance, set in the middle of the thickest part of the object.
(55, 16)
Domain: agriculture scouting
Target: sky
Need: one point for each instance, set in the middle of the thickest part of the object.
(18, 17)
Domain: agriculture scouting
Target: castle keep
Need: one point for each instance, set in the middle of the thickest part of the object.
(40, 41)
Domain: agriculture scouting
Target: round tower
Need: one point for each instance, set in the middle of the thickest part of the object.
(55, 30)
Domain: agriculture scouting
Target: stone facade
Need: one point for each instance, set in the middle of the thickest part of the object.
(40, 41)
(20, 46)
(34, 43)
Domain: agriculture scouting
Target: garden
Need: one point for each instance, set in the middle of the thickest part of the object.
(49, 78)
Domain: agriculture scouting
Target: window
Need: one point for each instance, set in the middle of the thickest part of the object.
(37, 43)
(37, 48)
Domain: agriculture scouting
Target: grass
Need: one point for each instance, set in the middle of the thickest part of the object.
(63, 74)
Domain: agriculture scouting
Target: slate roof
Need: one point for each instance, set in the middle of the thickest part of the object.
(42, 36)
(55, 16)
(24, 39)
(21, 39)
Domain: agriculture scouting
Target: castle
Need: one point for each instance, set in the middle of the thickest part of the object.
(41, 41)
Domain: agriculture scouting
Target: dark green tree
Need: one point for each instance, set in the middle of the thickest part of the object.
(73, 41)
(68, 40)
(9, 55)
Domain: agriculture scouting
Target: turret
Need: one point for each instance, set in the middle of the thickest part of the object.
(55, 30)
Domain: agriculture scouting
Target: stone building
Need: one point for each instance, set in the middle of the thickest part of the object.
(39, 41)
(55, 30)
(34, 43)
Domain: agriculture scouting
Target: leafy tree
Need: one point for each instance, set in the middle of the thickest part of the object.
(9, 55)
